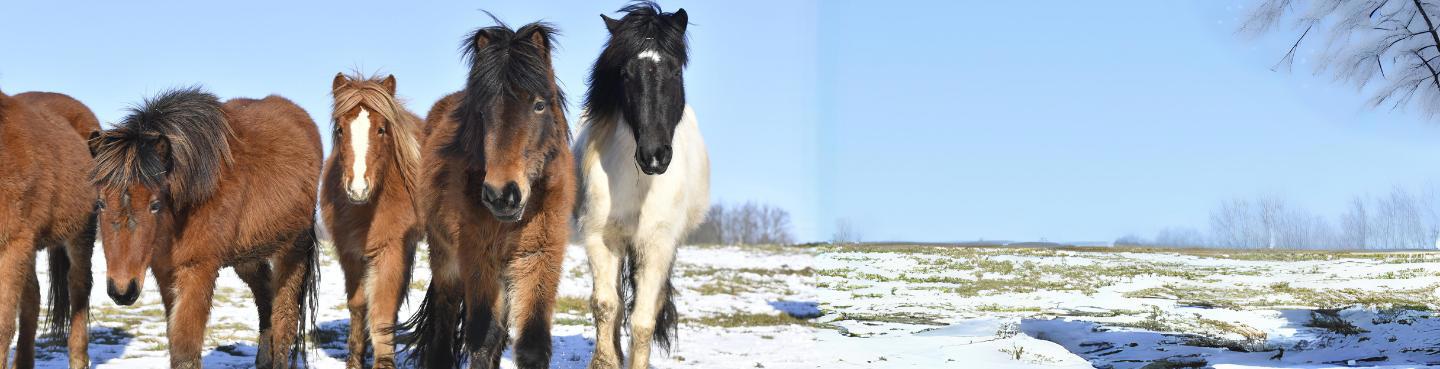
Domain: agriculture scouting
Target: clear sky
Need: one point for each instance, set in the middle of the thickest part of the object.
(1083, 121)
(751, 80)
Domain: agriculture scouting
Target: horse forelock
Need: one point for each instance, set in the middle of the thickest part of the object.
(645, 29)
(507, 64)
(176, 143)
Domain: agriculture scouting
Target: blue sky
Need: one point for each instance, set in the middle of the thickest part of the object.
(751, 79)
(1073, 121)
(917, 120)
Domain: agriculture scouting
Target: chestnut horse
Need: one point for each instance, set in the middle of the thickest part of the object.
(367, 203)
(49, 206)
(498, 185)
(644, 180)
(188, 186)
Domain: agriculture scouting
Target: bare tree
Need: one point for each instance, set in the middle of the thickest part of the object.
(750, 223)
(1393, 42)
(1180, 237)
(1355, 225)
(846, 233)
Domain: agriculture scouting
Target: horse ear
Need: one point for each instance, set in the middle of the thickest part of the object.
(93, 142)
(681, 19)
(340, 81)
(389, 84)
(541, 41)
(611, 24)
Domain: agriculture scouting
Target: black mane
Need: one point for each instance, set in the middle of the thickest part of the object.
(644, 27)
(178, 139)
(506, 64)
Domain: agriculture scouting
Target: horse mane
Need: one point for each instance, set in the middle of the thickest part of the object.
(644, 27)
(178, 139)
(367, 91)
(505, 64)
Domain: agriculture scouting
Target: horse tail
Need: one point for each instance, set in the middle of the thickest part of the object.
(59, 312)
(667, 319)
(309, 299)
(429, 330)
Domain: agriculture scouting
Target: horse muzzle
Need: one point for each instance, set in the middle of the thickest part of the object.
(654, 162)
(124, 297)
(505, 203)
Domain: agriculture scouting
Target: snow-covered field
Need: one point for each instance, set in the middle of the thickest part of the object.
(736, 305)
(936, 307)
(931, 307)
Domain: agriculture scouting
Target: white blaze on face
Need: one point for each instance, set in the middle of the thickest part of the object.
(360, 148)
(650, 54)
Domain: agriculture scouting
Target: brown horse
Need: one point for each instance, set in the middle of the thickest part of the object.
(49, 205)
(188, 186)
(367, 203)
(498, 184)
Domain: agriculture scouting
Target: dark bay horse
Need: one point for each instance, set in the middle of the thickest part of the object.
(644, 180)
(48, 205)
(367, 203)
(189, 186)
(498, 181)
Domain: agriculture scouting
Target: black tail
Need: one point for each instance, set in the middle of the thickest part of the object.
(431, 337)
(309, 298)
(59, 319)
(667, 321)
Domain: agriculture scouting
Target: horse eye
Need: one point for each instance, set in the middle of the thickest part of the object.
(100, 205)
(154, 206)
(540, 106)
(382, 129)
(338, 130)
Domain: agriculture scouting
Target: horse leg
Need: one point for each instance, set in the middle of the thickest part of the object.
(486, 317)
(256, 275)
(17, 263)
(190, 314)
(605, 301)
(653, 259)
(385, 288)
(352, 263)
(29, 318)
(80, 251)
(438, 317)
(292, 268)
(535, 275)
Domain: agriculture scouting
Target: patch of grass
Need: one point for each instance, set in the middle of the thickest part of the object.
(745, 320)
(1330, 320)
(572, 305)
(997, 308)
(900, 317)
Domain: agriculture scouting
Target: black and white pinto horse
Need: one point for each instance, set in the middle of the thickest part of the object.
(644, 179)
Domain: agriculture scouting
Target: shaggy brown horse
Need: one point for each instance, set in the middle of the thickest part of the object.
(49, 205)
(188, 186)
(367, 202)
(499, 186)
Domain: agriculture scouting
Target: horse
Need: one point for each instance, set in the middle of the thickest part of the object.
(49, 206)
(367, 201)
(498, 189)
(644, 179)
(189, 186)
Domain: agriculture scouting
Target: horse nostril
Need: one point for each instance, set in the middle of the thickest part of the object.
(511, 195)
(663, 155)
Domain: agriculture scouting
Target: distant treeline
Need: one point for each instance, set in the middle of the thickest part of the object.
(748, 223)
(1402, 219)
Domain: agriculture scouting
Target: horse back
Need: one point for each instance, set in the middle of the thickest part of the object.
(72, 111)
(277, 158)
(44, 169)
